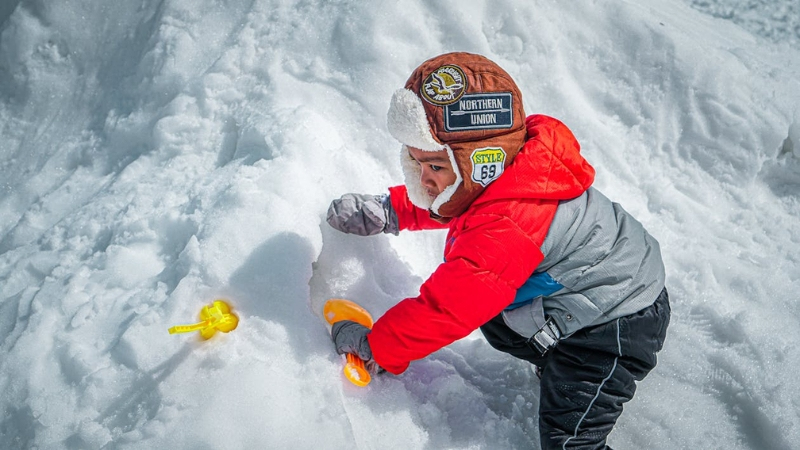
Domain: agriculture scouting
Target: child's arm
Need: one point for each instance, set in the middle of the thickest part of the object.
(367, 215)
(485, 266)
(409, 216)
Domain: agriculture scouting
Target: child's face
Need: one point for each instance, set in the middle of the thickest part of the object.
(436, 170)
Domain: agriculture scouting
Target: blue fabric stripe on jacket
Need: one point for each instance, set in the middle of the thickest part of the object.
(538, 285)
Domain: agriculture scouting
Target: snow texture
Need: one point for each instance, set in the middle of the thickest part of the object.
(156, 155)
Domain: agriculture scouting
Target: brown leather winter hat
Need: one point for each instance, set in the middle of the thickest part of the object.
(465, 104)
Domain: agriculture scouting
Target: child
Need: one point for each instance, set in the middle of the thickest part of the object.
(547, 267)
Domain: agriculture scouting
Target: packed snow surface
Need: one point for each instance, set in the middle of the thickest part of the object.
(157, 155)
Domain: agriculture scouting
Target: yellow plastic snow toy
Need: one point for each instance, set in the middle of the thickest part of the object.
(213, 317)
(337, 309)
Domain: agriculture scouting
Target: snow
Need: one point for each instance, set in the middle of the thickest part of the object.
(157, 155)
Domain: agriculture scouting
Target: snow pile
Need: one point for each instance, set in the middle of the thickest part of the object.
(778, 21)
(157, 155)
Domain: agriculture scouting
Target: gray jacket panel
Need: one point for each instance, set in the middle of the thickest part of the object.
(607, 263)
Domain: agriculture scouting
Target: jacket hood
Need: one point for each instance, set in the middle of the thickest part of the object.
(549, 166)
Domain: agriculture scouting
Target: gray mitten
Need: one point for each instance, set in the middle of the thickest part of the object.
(364, 215)
(351, 337)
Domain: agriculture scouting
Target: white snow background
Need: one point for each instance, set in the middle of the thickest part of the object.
(156, 155)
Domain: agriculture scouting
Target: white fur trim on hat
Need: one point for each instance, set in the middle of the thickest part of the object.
(407, 122)
(416, 192)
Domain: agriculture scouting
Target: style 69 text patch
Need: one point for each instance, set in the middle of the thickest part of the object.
(479, 112)
(487, 164)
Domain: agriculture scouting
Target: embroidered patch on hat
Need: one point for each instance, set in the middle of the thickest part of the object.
(487, 164)
(480, 112)
(444, 85)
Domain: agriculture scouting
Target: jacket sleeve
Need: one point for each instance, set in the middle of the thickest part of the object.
(484, 267)
(409, 216)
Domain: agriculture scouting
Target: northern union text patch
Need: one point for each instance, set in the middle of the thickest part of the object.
(479, 112)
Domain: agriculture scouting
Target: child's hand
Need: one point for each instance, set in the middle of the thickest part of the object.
(364, 215)
(351, 337)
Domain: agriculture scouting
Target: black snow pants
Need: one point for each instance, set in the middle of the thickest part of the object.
(589, 375)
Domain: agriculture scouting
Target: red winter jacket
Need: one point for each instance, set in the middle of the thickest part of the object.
(491, 249)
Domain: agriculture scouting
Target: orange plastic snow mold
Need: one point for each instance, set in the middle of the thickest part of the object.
(214, 317)
(337, 309)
